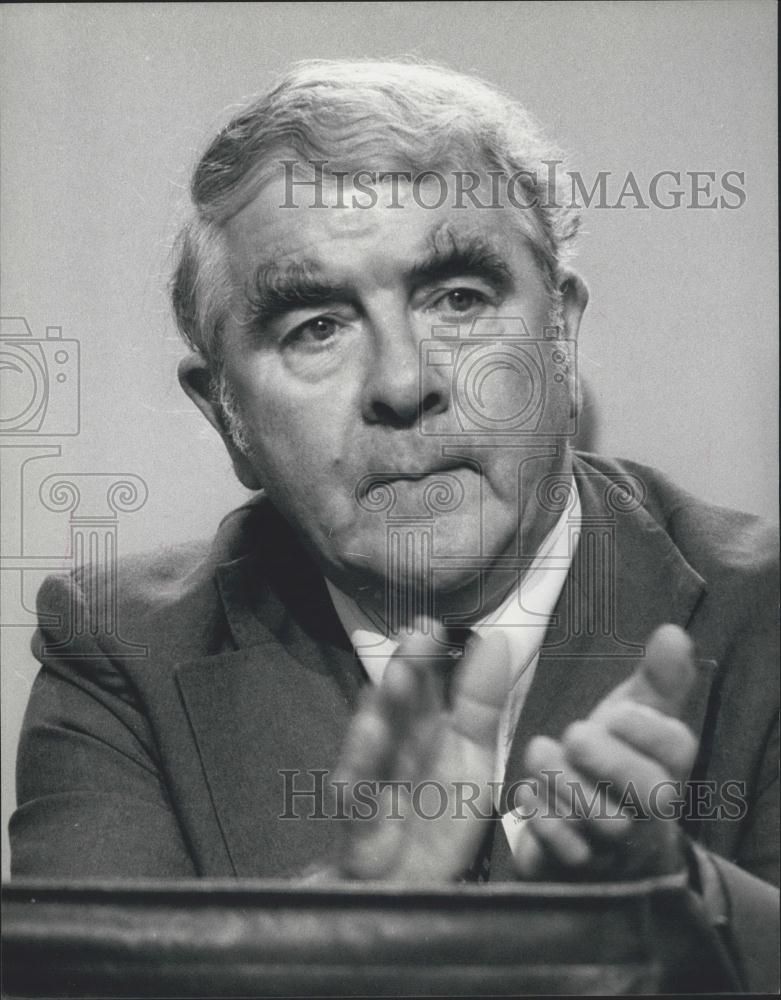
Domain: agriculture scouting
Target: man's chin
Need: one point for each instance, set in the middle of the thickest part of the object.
(437, 565)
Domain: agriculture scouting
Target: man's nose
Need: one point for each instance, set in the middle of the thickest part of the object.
(398, 390)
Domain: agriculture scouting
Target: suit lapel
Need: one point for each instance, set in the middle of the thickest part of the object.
(627, 578)
(272, 713)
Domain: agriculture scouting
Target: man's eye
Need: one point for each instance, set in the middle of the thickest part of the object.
(461, 300)
(315, 331)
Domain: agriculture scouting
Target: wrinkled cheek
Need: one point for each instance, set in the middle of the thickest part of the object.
(306, 486)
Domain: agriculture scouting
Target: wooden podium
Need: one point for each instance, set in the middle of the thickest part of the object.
(233, 939)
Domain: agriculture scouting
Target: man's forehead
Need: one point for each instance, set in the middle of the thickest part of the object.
(267, 232)
(443, 240)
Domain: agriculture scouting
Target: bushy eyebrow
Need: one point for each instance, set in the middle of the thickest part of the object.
(452, 254)
(277, 289)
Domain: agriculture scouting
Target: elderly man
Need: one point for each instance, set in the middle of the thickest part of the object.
(438, 643)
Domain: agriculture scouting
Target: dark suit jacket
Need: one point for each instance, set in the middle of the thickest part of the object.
(153, 747)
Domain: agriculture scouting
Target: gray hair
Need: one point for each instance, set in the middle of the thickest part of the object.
(358, 113)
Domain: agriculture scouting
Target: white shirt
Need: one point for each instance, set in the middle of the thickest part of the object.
(523, 617)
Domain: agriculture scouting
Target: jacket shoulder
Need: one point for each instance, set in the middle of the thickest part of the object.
(736, 555)
(164, 601)
(716, 541)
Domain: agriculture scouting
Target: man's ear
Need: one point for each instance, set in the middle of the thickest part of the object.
(195, 378)
(574, 299)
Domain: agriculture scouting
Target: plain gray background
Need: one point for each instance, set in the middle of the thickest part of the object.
(105, 108)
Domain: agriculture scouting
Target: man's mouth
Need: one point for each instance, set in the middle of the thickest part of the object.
(415, 472)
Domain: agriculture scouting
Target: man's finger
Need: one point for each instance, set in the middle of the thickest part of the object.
(633, 777)
(560, 839)
(480, 689)
(572, 794)
(427, 652)
(392, 738)
(661, 737)
(368, 748)
(384, 738)
(663, 679)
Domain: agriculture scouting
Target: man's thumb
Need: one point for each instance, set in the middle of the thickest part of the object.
(663, 679)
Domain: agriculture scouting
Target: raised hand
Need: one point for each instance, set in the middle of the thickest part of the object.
(430, 738)
(634, 744)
